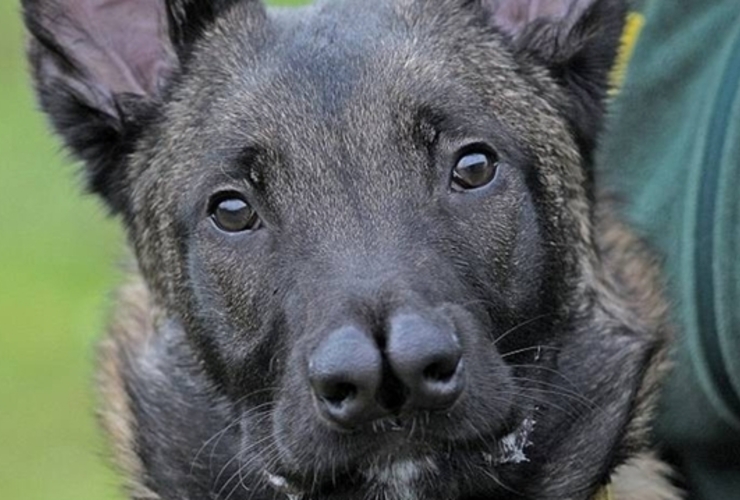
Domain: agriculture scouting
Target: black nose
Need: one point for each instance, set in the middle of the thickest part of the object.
(427, 358)
(347, 378)
(345, 372)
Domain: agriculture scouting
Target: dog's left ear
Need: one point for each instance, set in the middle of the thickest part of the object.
(577, 40)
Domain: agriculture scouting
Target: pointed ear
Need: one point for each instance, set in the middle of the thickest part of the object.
(578, 40)
(100, 67)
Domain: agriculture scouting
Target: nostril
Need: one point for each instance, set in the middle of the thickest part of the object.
(339, 393)
(440, 371)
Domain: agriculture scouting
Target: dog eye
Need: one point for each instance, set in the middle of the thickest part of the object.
(232, 214)
(474, 170)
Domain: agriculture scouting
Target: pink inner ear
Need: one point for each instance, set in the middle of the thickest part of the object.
(123, 45)
(513, 16)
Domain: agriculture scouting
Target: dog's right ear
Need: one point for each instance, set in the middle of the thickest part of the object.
(100, 68)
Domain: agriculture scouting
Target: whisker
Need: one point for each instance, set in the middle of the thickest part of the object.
(532, 348)
(520, 326)
(538, 400)
(549, 370)
(498, 481)
(220, 434)
(243, 466)
(236, 457)
(563, 392)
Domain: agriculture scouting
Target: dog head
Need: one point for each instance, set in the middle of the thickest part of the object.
(370, 219)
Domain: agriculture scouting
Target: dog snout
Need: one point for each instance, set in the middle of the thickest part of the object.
(357, 378)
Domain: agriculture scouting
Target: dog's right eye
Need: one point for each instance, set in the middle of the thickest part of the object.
(231, 213)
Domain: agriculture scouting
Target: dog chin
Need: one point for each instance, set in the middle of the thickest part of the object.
(402, 479)
(405, 476)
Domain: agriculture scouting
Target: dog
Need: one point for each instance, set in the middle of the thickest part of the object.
(372, 259)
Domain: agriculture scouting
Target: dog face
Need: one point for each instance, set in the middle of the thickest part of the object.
(376, 281)
(369, 221)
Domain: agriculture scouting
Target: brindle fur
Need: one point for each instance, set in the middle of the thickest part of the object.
(331, 114)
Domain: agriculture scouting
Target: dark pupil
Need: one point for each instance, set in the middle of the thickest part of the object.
(234, 215)
(474, 170)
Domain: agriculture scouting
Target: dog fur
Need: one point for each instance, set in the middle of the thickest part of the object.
(343, 120)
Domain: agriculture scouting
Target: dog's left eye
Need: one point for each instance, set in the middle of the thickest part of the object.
(233, 214)
(474, 170)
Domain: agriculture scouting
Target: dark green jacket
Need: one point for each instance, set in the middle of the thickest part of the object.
(672, 149)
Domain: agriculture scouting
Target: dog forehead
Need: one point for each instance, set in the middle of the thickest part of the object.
(327, 56)
(337, 57)
(334, 86)
(330, 60)
(308, 80)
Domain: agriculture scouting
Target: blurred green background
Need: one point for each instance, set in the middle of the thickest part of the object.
(59, 256)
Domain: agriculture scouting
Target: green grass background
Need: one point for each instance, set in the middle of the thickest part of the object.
(58, 267)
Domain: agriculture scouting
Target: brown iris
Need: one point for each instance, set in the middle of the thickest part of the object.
(474, 170)
(232, 214)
